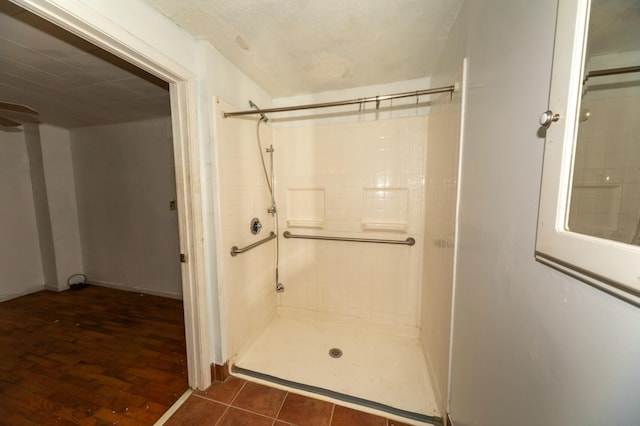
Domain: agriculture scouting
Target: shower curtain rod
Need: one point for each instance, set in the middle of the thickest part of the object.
(360, 101)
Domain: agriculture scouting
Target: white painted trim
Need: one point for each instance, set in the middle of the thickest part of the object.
(24, 292)
(463, 109)
(190, 223)
(85, 22)
(222, 356)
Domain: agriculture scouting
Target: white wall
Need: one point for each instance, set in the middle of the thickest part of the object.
(124, 182)
(531, 345)
(48, 201)
(20, 259)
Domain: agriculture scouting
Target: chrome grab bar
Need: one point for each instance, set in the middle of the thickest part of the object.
(408, 242)
(236, 251)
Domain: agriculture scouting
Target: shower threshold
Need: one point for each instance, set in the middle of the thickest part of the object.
(338, 396)
(361, 365)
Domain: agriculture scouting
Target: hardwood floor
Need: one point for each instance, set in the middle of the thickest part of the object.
(93, 356)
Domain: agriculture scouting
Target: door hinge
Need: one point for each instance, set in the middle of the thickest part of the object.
(183, 258)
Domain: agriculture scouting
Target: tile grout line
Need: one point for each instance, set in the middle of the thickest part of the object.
(238, 393)
(230, 405)
(281, 405)
(388, 422)
(333, 409)
(252, 412)
(226, 410)
(212, 400)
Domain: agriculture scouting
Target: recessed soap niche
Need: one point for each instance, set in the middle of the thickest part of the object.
(306, 207)
(385, 209)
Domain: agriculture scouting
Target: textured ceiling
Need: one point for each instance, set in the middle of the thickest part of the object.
(292, 47)
(68, 80)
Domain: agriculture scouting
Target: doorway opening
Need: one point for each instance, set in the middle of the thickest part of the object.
(185, 153)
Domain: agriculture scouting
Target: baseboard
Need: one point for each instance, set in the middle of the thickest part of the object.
(135, 289)
(35, 289)
(56, 287)
(219, 373)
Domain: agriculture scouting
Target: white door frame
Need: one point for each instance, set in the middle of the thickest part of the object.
(113, 38)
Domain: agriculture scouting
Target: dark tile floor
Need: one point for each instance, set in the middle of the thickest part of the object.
(239, 402)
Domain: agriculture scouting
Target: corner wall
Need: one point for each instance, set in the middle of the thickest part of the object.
(52, 203)
(124, 181)
(63, 210)
(41, 205)
(441, 191)
(248, 279)
(20, 259)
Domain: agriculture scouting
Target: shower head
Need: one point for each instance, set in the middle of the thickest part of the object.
(263, 117)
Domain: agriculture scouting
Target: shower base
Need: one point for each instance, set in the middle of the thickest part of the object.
(375, 370)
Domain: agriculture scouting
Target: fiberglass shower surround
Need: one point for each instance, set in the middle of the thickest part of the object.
(348, 227)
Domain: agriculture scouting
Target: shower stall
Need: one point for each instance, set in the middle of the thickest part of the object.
(333, 305)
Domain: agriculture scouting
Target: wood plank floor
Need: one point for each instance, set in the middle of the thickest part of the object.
(93, 356)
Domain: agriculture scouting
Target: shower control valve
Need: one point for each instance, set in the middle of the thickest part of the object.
(256, 226)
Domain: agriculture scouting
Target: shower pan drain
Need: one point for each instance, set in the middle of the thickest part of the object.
(335, 353)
